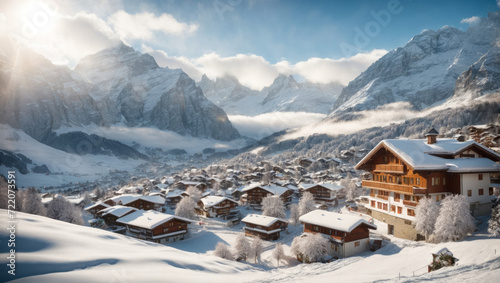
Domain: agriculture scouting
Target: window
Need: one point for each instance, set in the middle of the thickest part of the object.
(356, 244)
(393, 208)
(411, 181)
(437, 181)
(373, 203)
(398, 180)
(433, 182)
(490, 191)
(385, 159)
(400, 210)
(418, 181)
(410, 212)
(444, 181)
(481, 192)
(385, 206)
(469, 193)
(397, 196)
(392, 158)
(407, 197)
(480, 176)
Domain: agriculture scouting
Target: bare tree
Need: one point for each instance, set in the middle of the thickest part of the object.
(278, 253)
(222, 251)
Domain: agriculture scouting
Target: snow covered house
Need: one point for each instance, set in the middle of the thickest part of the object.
(111, 214)
(406, 170)
(96, 207)
(348, 234)
(264, 227)
(155, 202)
(173, 197)
(256, 192)
(322, 192)
(217, 206)
(155, 226)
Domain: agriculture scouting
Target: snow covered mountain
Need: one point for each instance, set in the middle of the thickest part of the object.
(114, 86)
(424, 72)
(284, 95)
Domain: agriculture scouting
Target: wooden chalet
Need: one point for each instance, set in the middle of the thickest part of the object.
(155, 226)
(256, 192)
(322, 192)
(217, 206)
(111, 214)
(95, 208)
(348, 234)
(155, 202)
(404, 171)
(264, 227)
(173, 197)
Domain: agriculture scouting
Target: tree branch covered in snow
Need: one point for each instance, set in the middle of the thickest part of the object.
(310, 247)
(222, 251)
(425, 219)
(273, 206)
(185, 208)
(306, 203)
(454, 221)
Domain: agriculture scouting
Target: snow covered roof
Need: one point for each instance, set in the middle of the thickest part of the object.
(472, 165)
(421, 156)
(333, 220)
(275, 190)
(261, 220)
(148, 219)
(125, 199)
(154, 199)
(210, 201)
(118, 210)
(329, 186)
(174, 193)
(96, 204)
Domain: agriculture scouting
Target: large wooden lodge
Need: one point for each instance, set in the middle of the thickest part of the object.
(256, 192)
(405, 170)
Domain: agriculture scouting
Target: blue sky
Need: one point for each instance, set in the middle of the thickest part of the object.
(254, 40)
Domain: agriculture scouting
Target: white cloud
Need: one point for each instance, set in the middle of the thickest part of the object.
(255, 72)
(471, 20)
(498, 3)
(263, 125)
(143, 25)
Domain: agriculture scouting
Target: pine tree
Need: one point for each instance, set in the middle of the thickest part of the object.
(242, 248)
(273, 206)
(425, 219)
(256, 248)
(222, 251)
(454, 221)
(306, 203)
(32, 202)
(494, 222)
(278, 253)
(185, 208)
(294, 214)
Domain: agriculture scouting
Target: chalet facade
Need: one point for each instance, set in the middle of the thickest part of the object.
(111, 214)
(265, 227)
(348, 234)
(216, 206)
(323, 192)
(155, 226)
(155, 202)
(255, 193)
(404, 171)
(95, 208)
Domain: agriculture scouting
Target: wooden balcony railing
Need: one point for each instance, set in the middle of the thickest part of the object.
(383, 197)
(372, 195)
(410, 203)
(392, 187)
(389, 168)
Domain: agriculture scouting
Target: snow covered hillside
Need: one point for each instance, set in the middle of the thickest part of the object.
(82, 254)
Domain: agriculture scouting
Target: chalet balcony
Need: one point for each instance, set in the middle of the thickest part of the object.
(383, 197)
(408, 189)
(389, 168)
(410, 203)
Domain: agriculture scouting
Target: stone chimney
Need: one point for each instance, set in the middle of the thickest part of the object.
(432, 136)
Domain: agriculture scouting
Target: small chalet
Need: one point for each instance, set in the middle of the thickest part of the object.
(348, 234)
(111, 214)
(155, 226)
(405, 170)
(95, 208)
(216, 206)
(173, 197)
(155, 202)
(256, 192)
(322, 192)
(264, 227)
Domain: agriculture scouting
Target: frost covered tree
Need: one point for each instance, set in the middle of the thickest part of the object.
(222, 251)
(61, 209)
(425, 216)
(494, 222)
(86, 199)
(352, 191)
(306, 203)
(310, 247)
(242, 249)
(32, 202)
(273, 206)
(256, 248)
(294, 214)
(454, 221)
(278, 253)
(194, 193)
(185, 208)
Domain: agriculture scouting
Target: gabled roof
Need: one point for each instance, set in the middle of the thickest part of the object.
(118, 210)
(275, 190)
(149, 219)
(329, 186)
(96, 205)
(261, 220)
(126, 199)
(210, 201)
(422, 156)
(333, 220)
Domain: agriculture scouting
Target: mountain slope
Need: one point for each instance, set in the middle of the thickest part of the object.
(423, 72)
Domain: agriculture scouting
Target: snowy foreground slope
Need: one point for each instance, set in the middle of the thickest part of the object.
(53, 251)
